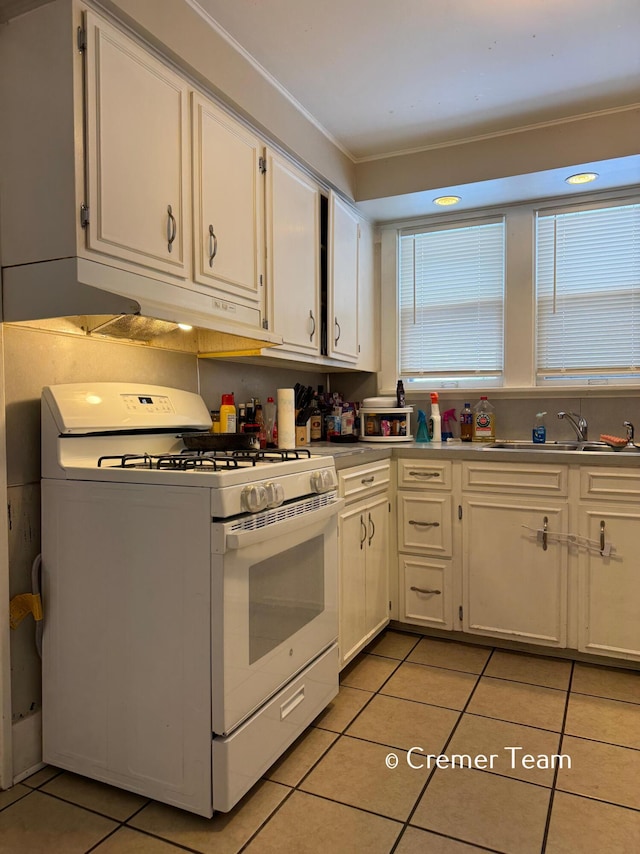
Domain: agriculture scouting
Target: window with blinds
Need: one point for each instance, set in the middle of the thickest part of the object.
(588, 295)
(451, 303)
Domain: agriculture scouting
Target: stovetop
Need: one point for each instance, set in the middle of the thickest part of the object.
(130, 434)
(219, 460)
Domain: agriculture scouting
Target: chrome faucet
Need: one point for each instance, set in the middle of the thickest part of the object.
(630, 432)
(578, 422)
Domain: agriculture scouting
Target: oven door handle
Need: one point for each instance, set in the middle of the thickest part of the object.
(242, 539)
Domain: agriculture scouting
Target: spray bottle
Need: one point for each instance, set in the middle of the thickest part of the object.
(447, 426)
(435, 421)
(422, 433)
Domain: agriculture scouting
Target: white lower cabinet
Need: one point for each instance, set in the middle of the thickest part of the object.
(363, 537)
(514, 551)
(608, 574)
(514, 578)
(543, 554)
(425, 543)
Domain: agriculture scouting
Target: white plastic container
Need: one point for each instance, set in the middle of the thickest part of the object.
(385, 423)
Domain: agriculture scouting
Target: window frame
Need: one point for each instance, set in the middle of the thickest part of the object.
(520, 294)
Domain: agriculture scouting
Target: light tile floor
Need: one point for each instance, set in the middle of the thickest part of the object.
(334, 791)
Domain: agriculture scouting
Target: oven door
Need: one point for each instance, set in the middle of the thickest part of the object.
(274, 602)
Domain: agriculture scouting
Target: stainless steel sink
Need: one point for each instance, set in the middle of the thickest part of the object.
(508, 445)
(601, 447)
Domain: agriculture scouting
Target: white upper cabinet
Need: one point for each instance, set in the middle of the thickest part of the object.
(368, 301)
(137, 153)
(228, 202)
(342, 316)
(293, 253)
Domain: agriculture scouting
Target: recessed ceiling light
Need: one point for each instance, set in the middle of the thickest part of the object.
(185, 327)
(582, 178)
(446, 200)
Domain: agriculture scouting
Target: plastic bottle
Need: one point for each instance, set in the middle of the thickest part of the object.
(228, 414)
(539, 432)
(215, 420)
(466, 423)
(400, 398)
(447, 427)
(484, 421)
(270, 421)
(435, 420)
(422, 433)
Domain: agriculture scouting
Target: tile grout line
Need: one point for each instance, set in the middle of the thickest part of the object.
(296, 788)
(547, 825)
(340, 734)
(447, 742)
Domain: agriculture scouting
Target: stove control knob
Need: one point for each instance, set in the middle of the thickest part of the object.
(275, 494)
(322, 480)
(253, 498)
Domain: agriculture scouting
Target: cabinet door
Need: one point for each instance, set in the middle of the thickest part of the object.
(293, 251)
(137, 153)
(513, 586)
(342, 319)
(609, 585)
(377, 565)
(368, 301)
(228, 202)
(352, 538)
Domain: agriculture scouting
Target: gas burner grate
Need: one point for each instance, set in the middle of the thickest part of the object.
(253, 455)
(176, 462)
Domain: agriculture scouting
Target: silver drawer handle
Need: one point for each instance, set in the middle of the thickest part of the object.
(422, 590)
(367, 480)
(424, 474)
(424, 524)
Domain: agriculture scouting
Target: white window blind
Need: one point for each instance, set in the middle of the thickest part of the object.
(451, 301)
(588, 294)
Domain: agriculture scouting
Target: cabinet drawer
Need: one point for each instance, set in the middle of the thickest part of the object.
(361, 481)
(427, 591)
(429, 474)
(616, 484)
(424, 523)
(534, 479)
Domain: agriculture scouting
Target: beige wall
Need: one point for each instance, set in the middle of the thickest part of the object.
(599, 137)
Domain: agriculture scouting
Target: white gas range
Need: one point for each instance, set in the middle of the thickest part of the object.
(190, 599)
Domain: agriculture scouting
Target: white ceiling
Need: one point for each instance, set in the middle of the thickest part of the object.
(382, 77)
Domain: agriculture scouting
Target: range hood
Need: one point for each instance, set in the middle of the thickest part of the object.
(124, 304)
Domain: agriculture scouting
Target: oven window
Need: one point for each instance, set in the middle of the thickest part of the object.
(286, 592)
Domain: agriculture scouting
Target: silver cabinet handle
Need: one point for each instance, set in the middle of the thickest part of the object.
(364, 532)
(367, 480)
(313, 320)
(372, 529)
(424, 524)
(545, 528)
(339, 331)
(171, 228)
(213, 245)
(422, 590)
(424, 474)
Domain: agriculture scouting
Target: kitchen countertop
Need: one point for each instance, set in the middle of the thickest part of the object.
(351, 454)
